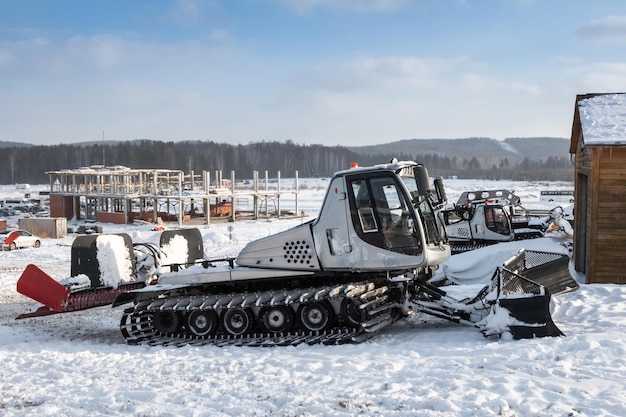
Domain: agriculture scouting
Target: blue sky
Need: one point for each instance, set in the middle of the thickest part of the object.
(348, 72)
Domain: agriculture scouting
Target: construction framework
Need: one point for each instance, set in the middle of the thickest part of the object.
(122, 195)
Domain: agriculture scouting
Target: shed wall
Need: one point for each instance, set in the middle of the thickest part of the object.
(605, 225)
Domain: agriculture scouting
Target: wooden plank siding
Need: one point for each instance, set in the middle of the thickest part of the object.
(611, 215)
(605, 225)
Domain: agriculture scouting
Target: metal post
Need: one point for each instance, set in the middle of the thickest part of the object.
(181, 208)
(267, 190)
(297, 191)
(207, 200)
(255, 186)
(278, 196)
(232, 194)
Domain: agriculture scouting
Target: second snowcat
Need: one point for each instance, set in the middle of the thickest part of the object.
(485, 217)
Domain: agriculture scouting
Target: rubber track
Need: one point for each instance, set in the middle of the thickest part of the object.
(137, 327)
(456, 248)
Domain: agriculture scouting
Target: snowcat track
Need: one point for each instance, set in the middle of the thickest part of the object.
(456, 248)
(138, 327)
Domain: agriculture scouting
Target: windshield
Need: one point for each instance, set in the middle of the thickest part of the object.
(434, 233)
(429, 221)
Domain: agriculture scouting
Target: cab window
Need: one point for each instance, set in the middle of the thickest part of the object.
(364, 209)
(381, 214)
(496, 220)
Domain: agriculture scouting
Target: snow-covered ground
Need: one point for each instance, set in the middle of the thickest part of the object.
(77, 364)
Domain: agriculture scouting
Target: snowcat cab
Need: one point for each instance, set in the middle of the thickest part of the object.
(373, 219)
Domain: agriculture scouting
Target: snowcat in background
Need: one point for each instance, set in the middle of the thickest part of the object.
(485, 217)
(363, 263)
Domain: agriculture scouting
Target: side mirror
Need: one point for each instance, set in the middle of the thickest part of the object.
(422, 180)
(440, 191)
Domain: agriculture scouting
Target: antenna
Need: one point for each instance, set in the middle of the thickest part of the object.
(103, 161)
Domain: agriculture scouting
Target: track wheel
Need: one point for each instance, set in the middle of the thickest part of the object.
(316, 316)
(237, 321)
(278, 319)
(351, 314)
(166, 322)
(202, 322)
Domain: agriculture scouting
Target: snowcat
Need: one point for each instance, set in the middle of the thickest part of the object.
(363, 263)
(485, 217)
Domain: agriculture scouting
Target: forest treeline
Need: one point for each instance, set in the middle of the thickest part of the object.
(29, 164)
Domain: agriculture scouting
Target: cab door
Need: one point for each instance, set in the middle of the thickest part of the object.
(331, 230)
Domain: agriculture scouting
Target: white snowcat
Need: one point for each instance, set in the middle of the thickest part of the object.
(362, 264)
(485, 217)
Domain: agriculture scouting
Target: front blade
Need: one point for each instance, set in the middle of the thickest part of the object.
(530, 316)
(527, 304)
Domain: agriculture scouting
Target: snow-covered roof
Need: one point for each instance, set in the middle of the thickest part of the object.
(603, 119)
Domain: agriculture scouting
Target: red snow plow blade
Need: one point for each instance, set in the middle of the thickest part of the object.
(36, 284)
(57, 298)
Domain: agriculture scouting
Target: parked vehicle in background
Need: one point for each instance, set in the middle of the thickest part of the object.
(5, 212)
(23, 209)
(14, 202)
(22, 186)
(566, 196)
(14, 239)
(32, 209)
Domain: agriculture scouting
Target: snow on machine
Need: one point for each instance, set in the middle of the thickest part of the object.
(363, 263)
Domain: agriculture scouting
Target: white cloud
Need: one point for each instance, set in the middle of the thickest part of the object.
(475, 82)
(99, 52)
(221, 35)
(187, 13)
(568, 60)
(610, 30)
(366, 73)
(362, 6)
(88, 56)
(604, 77)
(530, 89)
(410, 75)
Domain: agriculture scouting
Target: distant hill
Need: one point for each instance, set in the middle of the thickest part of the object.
(514, 149)
(8, 144)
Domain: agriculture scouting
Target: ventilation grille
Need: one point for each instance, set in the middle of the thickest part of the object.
(298, 252)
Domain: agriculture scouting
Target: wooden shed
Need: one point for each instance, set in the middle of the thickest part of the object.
(598, 143)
